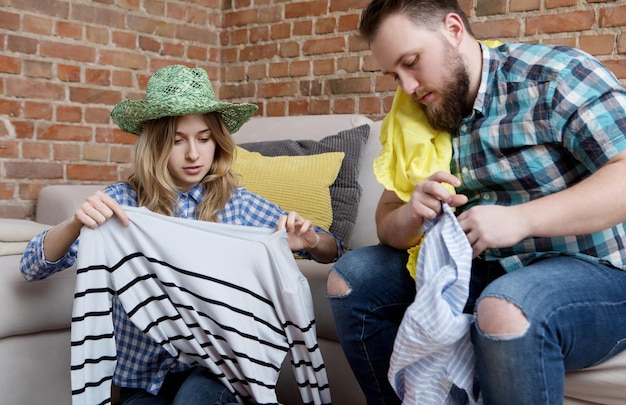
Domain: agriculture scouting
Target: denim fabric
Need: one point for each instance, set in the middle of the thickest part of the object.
(577, 315)
(194, 387)
(577, 311)
(368, 317)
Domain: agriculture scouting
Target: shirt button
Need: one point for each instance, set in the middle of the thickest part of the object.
(463, 127)
(465, 170)
(485, 197)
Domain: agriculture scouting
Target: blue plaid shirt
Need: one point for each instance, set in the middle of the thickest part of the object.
(141, 363)
(544, 119)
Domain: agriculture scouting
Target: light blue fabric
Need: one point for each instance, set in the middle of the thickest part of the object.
(433, 350)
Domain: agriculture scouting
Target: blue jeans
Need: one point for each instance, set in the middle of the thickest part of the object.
(194, 387)
(368, 317)
(577, 315)
(577, 312)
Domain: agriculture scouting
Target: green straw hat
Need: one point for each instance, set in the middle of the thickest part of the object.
(178, 90)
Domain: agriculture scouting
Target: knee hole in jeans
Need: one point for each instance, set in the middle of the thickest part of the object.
(500, 318)
(336, 286)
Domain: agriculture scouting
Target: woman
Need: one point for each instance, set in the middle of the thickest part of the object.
(182, 168)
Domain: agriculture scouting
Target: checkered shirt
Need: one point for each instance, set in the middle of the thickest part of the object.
(544, 119)
(141, 363)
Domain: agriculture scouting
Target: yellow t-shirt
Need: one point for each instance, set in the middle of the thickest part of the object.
(412, 151)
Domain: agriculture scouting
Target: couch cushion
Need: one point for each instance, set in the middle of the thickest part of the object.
(345, 191)
(316, 274)
(15, 234)
(19, 230)
(296, 183)
(364, 231)
(600, 384)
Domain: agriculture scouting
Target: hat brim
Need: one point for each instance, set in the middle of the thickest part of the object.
(131, 115)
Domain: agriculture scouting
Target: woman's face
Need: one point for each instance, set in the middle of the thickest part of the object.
(193, 152)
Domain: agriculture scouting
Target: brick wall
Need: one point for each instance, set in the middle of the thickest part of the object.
(65, 63)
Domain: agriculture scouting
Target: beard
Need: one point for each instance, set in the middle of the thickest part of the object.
(447, 115)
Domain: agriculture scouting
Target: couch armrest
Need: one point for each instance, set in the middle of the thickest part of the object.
(58, 202)
(31, 307)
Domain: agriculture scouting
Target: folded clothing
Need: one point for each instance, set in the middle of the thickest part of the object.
(12, 248)
(19, 230)
(15, 234)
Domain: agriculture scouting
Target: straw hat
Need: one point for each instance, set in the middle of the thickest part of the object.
(178, 90)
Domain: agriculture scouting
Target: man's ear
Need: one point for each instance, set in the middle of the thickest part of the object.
(454, 29)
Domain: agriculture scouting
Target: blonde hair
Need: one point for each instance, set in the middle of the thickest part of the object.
(153, 182)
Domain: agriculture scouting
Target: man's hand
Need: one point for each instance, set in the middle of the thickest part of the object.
(428, 195)
(399, 224)
(493, 226)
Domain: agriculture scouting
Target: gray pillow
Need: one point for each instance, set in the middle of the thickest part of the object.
(345, 192)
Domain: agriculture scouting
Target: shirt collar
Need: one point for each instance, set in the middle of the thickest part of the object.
(196, 193)
(490, 65)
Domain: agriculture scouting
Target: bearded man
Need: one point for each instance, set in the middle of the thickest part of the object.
(537, 151)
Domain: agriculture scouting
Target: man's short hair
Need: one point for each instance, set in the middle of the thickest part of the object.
(427, 13)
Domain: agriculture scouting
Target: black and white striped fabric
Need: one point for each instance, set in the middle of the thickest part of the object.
(227, 297)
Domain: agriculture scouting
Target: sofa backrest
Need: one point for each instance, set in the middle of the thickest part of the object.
(58, 202)
(364, 232)
(313, 127)
(316, 127)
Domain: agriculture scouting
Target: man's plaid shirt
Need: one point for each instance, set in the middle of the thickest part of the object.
(544, 119)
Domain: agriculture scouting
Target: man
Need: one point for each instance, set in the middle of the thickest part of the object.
(538, 163)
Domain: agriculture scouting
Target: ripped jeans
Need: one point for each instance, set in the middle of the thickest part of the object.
(577, 318)
(576, 312)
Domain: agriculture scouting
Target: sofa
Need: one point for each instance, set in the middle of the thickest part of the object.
(35, 317)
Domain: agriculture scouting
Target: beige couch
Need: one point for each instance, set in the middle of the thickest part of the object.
(35, 317)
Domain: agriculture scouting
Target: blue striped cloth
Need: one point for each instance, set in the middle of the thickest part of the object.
(432, 351)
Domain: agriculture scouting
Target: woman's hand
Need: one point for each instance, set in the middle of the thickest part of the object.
(302, 236)
(97, 209)
(301, 233)
(94, 211)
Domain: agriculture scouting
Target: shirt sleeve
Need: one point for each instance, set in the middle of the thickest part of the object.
(247, 208)
(33, 264)
(590, 106)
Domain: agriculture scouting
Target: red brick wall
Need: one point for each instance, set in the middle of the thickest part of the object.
(64, 64)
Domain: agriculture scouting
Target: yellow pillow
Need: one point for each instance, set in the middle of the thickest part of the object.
(295, 183)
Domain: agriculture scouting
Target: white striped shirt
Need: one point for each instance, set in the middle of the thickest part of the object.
(227, 297)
